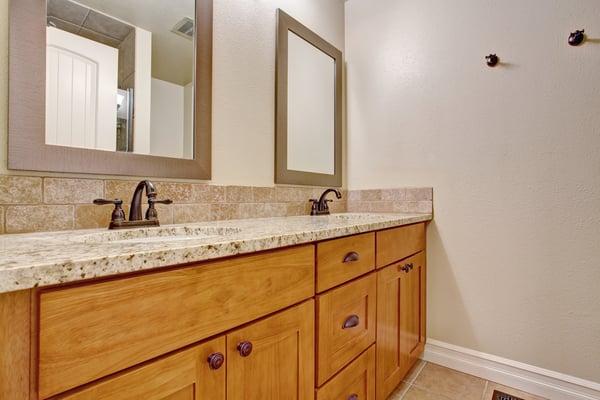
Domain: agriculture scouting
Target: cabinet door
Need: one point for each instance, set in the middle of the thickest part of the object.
(194, 374)
(400, 321)
(273, 358)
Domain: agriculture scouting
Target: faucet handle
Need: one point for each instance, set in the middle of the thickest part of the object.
(118, 215)
(151, 213)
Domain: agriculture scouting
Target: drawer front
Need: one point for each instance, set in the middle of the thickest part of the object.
(398, 243)
(109, 326)
(346, 325)
(356, 381)
(341, 260)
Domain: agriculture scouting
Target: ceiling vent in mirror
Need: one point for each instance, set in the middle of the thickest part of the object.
(184, 28)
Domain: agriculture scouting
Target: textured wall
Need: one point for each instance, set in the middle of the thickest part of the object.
(512, 154)
(243, 86)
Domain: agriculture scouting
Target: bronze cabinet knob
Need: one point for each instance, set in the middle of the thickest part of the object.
(353, 396)
(245, 348)
(351, 257)
(351, 322)
(216, 360)
(405, 268)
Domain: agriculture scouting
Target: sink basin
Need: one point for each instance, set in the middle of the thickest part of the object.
(159, 234)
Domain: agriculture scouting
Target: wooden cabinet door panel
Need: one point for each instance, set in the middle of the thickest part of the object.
(280, 365)
(185, 375)
(400, 321)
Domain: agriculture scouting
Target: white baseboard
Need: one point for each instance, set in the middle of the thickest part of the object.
(528, 378)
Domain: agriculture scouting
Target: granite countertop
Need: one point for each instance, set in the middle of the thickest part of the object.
(41, 259)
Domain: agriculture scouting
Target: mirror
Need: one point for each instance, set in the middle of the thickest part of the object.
(111, 87)
(120, 75)
(308, 148)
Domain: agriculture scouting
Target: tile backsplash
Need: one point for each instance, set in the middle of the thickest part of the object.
(38, 204)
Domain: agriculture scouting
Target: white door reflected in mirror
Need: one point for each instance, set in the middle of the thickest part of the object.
(310, 108)
(120, 76)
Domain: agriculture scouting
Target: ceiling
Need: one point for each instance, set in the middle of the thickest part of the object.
(172, 55)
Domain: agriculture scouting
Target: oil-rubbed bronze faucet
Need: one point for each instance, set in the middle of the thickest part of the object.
(135, 213)
(321, 206)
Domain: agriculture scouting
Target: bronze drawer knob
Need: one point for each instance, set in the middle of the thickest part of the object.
(407, 267)
(351, 257)
(351, 322)
(245, 348)
(216, 360)
(353, 396)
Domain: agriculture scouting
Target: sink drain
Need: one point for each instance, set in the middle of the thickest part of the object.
(503, 396)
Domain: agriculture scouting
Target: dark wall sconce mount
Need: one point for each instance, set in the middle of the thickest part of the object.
(492, 60)
(577, 37)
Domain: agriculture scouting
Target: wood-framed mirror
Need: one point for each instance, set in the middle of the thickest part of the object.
(115, 87)
(308, 140)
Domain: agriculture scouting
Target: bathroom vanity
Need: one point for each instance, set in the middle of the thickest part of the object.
(277, 308)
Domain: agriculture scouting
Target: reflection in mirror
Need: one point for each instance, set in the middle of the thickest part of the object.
(310, 108)
(120, 76)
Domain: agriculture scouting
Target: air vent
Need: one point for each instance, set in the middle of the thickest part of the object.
(498, 395)
(184, 28)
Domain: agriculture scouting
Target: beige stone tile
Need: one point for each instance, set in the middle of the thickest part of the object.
(447, 382)
(264, 194)
(184, 213)
(203, 193)
(165, 213)
(359, 206)
(289, 194)
(21, 219)
(370, 195)
(89, 216)
(393, 194)
(180, 193)
(489, 392)
(424, 206)
(224, 211)
(119, 189)
(252, 210)
(1, 220)
(417, 393)
(298, 208)
(72, 191)
(275, 209)
(419, 194)
(353, 195)
(338, 206)
(381, 206)
(239, 194)
(20, 190)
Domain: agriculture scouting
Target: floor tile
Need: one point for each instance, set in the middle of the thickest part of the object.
(446, 382)
(415, 371)
(514, 392)
(416, 393)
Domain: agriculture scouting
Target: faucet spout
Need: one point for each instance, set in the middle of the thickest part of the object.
(135, 212)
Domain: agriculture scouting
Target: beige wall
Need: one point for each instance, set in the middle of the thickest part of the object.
(513, 154)
(244, 81)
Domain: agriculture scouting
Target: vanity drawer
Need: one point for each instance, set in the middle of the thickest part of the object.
(356, 381)
(93, 330)
(346, 324)
(341, 260)
(398, 243)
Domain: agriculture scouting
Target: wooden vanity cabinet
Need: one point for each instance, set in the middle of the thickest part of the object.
(338, 319)
(400, 321)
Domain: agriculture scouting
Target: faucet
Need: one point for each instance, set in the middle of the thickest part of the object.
(135, 213)
(321, 206)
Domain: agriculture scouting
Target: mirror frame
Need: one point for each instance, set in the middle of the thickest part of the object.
(284, 175)
(27, 149)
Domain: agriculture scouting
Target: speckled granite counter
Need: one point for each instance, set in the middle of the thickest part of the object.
(41, 259)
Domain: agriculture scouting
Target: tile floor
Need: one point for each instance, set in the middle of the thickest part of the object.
(428, 381)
